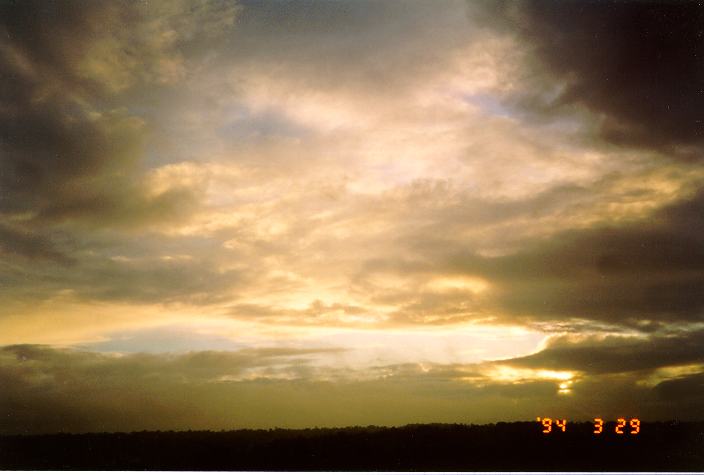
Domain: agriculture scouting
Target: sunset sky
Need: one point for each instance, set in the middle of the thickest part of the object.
(221, 215)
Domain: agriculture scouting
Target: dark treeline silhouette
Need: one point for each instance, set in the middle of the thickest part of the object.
(662, 446)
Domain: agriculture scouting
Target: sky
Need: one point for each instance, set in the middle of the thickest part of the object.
(254, 214)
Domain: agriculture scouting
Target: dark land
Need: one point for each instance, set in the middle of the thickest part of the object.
(662, 446)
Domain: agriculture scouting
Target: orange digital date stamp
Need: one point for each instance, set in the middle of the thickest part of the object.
(622, 427)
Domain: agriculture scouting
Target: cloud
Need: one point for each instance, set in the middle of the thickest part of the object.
(92, 391)
(15, 241)
(684, 390)
(637, 274)
(49, 390)
(72, 153)
(349, 171)
(370, 146)
(316, 313)
(636, 66)
(106, 48)
(616, 354)
(103, 274)
(347, 47)
(74, 143)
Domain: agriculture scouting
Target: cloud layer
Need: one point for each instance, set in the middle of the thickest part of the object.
(281, 175)
(637, 66)
(51, 390)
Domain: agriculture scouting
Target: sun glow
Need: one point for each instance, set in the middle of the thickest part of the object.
(512, 374)
(450, 284)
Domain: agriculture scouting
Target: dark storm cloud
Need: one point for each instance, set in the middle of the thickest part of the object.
(67, 153)
(686, 390)
(612, 354)
(43, 40)
(638, 65)
(60, 164)
(638, 274)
